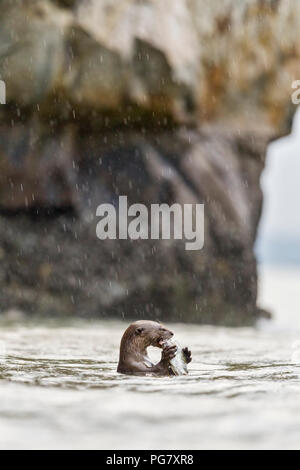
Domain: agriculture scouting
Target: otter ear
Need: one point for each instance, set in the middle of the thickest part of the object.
(139, 330)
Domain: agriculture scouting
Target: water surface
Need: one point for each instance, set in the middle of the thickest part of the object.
(59, 387)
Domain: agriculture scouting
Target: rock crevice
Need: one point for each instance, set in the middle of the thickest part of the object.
(161, 101)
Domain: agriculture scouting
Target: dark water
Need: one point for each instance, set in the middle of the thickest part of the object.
(59, 387)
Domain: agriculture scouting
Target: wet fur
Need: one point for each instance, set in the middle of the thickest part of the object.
(134, 360)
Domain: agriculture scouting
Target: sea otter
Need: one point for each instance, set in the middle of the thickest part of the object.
(138, 336)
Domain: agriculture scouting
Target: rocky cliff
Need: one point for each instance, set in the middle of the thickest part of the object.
(163, 101)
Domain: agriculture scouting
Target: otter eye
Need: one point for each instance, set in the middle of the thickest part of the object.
(138, 331)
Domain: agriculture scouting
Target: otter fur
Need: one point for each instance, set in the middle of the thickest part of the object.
(134, 360)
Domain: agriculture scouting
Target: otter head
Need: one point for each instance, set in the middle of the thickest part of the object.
(151, 333)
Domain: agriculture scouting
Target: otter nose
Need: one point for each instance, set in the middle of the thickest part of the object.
(167, 331)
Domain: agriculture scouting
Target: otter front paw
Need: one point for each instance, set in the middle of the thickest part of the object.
(168, 353)
(187, 354)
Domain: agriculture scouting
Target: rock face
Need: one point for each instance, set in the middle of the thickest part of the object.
(161, 101)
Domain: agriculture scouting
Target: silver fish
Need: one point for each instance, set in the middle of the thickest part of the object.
(178, 363)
